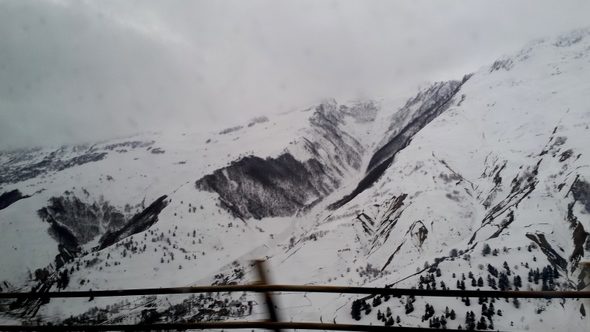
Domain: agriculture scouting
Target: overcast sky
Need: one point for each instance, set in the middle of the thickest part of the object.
(78, 71)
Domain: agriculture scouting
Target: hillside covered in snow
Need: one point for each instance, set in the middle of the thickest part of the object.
(482, 182)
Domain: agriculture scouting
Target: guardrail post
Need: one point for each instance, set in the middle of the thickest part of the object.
(263, 280)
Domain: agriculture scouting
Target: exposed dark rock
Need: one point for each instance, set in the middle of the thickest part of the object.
(390, 259)
(579, 237)
(554, 258)
(503, 225)
(139, 223)
(430, 104)
(66, 254)
(16, 170)
(204, 307)
(366, 222)
(522, 185)
(10, 197)
(419, 232)
(571, 38)
(77, 222)
(129, 145)
(256, 120)
(581, 191)
(81, 160)
(565, 155)
(63, 214)
(365, 183)
(64, 236)
(388, 220)
(505, 64)
(253, 187)
(326, 122)
(230, 130)
(361, 111)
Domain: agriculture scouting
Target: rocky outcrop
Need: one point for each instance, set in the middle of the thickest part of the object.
(74, 222)
(581, 192)
(138, 223)
(16, 171)
(77, 222)
(422, 109)
(253, 187)
(552, 255)
(10, 197)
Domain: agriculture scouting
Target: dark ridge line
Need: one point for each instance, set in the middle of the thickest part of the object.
(374, 172)
(10, 197)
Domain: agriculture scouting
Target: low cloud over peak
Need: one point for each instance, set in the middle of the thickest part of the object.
(74, 71)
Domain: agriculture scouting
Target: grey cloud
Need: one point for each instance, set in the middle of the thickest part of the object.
(74, 71)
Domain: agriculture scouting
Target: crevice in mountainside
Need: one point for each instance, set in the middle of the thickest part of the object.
(388, 221)
(434, 103)
(390, 259)
(10, 197)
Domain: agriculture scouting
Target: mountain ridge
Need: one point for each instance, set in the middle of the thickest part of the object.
(485, 178)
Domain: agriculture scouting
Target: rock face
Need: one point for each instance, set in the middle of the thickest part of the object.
(78, 222)
(581, 192)
(139, 223)
(10, 197)
(252, 187)
(74, 223)
(418, 112)
(14, 171)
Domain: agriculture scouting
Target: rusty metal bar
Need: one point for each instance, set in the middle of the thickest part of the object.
(216, 325)
(302, 289)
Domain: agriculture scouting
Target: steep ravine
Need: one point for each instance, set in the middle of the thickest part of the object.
(432, 102)
(255, 187)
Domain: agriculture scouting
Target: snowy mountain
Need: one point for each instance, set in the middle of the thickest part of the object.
(478, 183)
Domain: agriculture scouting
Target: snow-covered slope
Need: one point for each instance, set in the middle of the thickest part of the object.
(483, 182)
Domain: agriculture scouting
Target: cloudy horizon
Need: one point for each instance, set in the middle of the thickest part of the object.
(79, 71)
